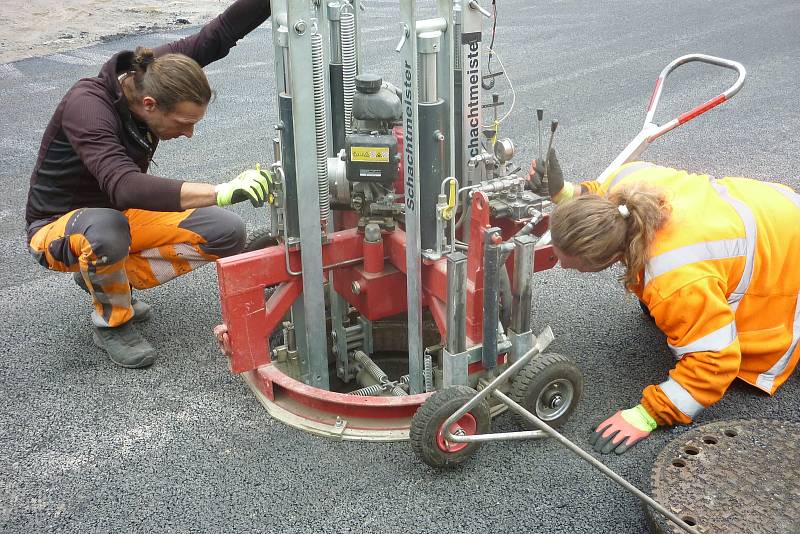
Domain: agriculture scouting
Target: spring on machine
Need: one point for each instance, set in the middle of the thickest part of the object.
(371, 367)
(377, 389)
(348, 66)
(320, 123)
(397, 391)
(369, 391)
(427, 372)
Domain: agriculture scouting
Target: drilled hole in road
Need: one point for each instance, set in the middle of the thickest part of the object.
(694, 451)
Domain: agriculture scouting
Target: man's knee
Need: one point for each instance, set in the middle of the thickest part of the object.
(107, 231)
(222, 230)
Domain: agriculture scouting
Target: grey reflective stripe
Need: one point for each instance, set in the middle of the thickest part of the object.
(767, 379)
(107, 301)
(161, 267)
(709, 250)
(788, 193)
(714, 342)
(164, 266)
(681, 398)
(751, 234)
(627, 171)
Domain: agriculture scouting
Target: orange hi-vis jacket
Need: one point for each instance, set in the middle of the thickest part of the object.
(723, 284)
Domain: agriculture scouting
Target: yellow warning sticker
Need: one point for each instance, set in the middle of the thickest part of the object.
(371, 154)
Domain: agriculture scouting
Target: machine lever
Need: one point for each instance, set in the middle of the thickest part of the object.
(475, 5)
(553, 126)
(539, 116)
(402, 42)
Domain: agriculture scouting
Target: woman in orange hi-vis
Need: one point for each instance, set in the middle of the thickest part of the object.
(716, 262)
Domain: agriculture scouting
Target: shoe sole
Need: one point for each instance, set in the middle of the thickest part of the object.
(146, 362)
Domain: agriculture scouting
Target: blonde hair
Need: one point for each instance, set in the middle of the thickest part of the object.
(170, 79)
(596, 230)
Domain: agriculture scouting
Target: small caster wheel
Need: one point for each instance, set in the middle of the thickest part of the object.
(258, 239)
(427, 427)
(549, 387)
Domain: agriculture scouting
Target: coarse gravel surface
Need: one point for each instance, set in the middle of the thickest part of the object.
(185, 447)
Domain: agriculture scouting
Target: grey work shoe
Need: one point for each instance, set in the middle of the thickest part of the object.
(141, 310)
(125, 346)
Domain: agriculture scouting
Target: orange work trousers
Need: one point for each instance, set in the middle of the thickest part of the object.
(116, 250)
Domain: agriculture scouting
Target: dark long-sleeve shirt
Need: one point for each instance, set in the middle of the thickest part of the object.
(94, 153)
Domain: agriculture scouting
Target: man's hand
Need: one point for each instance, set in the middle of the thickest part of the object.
(622, 430)
(252, 185)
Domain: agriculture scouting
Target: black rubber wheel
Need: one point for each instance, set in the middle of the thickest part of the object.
(258, 239)
(427, 425)
(549, 387)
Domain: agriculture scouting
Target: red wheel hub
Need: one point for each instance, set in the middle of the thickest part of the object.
(465, 426)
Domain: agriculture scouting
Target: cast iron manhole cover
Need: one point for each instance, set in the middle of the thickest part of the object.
(731, 476)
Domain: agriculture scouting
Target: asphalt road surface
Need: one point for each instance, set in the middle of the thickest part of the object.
(184, 446)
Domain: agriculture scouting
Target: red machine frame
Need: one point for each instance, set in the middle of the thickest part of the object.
(380, 272)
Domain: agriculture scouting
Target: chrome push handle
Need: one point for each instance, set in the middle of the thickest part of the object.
(652, 131)
(702, 108)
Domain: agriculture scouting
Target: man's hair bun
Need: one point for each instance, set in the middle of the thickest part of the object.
(143, 57)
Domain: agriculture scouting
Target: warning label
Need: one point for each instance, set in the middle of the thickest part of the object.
(371, 154)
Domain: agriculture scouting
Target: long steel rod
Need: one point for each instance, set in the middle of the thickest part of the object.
(610, 473)
(544, 339)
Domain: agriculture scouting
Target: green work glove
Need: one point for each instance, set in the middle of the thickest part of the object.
(622, 430)
(253, 185)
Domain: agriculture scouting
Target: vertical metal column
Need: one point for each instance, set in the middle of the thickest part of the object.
(456, 302)
(521, 290)
(519, 332)
(411, 167)
(433, 153)
(455, 361)
(299, 24)
(457, 100)
(491, 308)
(358, 8)
(335, 78)
(446, 81)
(339, 306)
(471, 28)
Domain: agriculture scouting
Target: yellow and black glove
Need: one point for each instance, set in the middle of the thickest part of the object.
(254, 185)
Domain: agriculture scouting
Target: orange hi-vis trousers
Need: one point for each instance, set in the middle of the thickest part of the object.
(115, 250)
